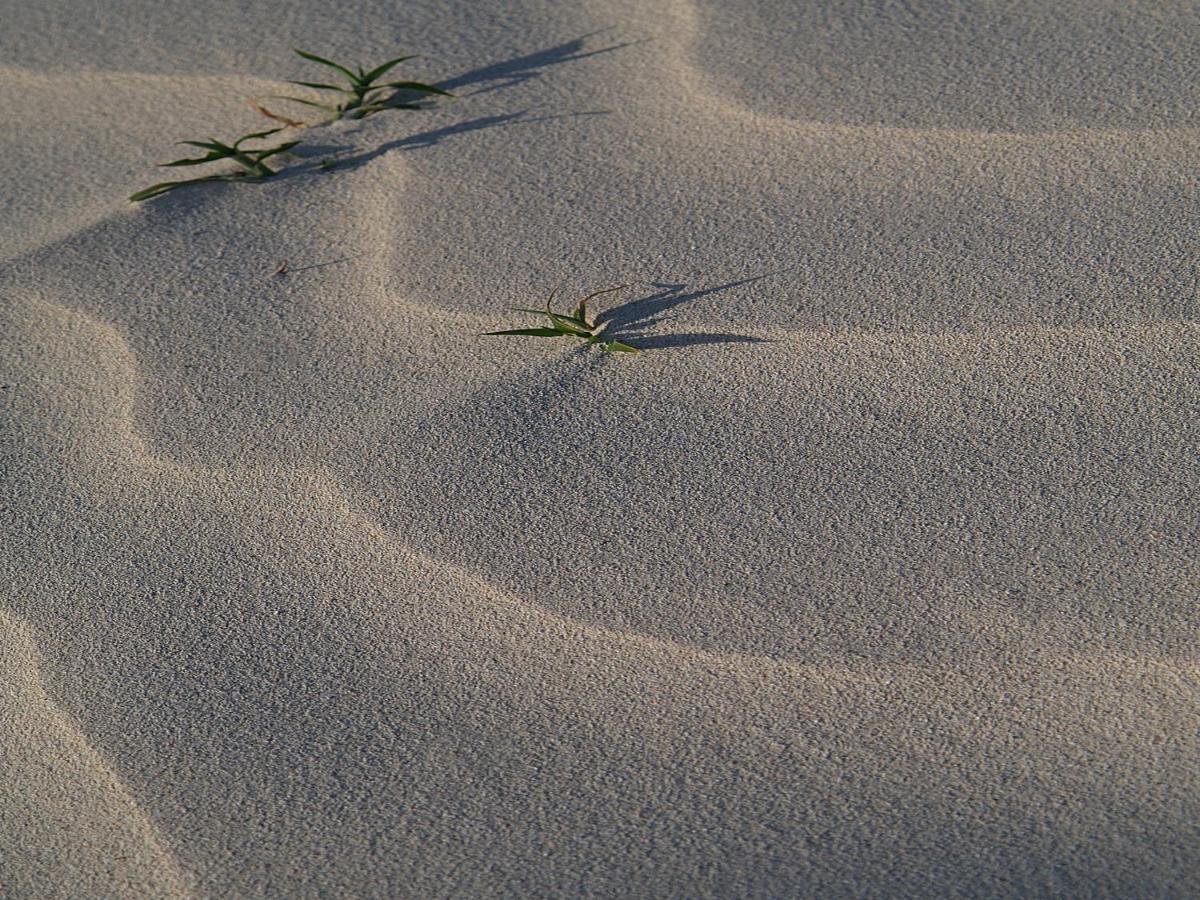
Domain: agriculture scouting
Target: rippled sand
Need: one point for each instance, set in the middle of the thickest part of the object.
(874, 575)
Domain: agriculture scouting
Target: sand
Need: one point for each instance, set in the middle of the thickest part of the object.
(874, 575)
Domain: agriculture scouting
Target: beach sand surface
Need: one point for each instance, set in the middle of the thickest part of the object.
(873, 575)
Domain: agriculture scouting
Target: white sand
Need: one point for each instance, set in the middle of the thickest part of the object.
(310, 590)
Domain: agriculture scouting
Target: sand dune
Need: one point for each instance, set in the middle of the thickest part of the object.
(237, 629)
(874, 575)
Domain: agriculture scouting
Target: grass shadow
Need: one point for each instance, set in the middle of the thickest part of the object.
(515, 71)
(630, 321)
(435, 136)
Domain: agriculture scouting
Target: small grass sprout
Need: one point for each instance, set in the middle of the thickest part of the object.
(574, 324)
(361, 96)
(251, 161)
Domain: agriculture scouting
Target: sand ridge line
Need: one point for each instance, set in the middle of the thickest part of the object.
(684, 53)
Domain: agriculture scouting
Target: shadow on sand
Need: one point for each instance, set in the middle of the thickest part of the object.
(511, 72)
(345, 163)
(629, 321)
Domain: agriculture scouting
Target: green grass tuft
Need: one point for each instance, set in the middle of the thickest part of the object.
(251, 161)
(359, 95)
(574, 324)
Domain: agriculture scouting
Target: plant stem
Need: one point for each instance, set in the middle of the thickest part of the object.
(252, 165)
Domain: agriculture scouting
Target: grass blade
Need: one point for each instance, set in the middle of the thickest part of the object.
(378, 71)
(260, 155)
(207, 145)
(251, 137)
(619, 287)
(156, 189)
(326, 62)
(196, 162)
(165, 186)
(321, 87)
(619, 347)
(567, 323)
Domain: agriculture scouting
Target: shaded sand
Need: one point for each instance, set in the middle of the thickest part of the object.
(76, 822)
(875, 575)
